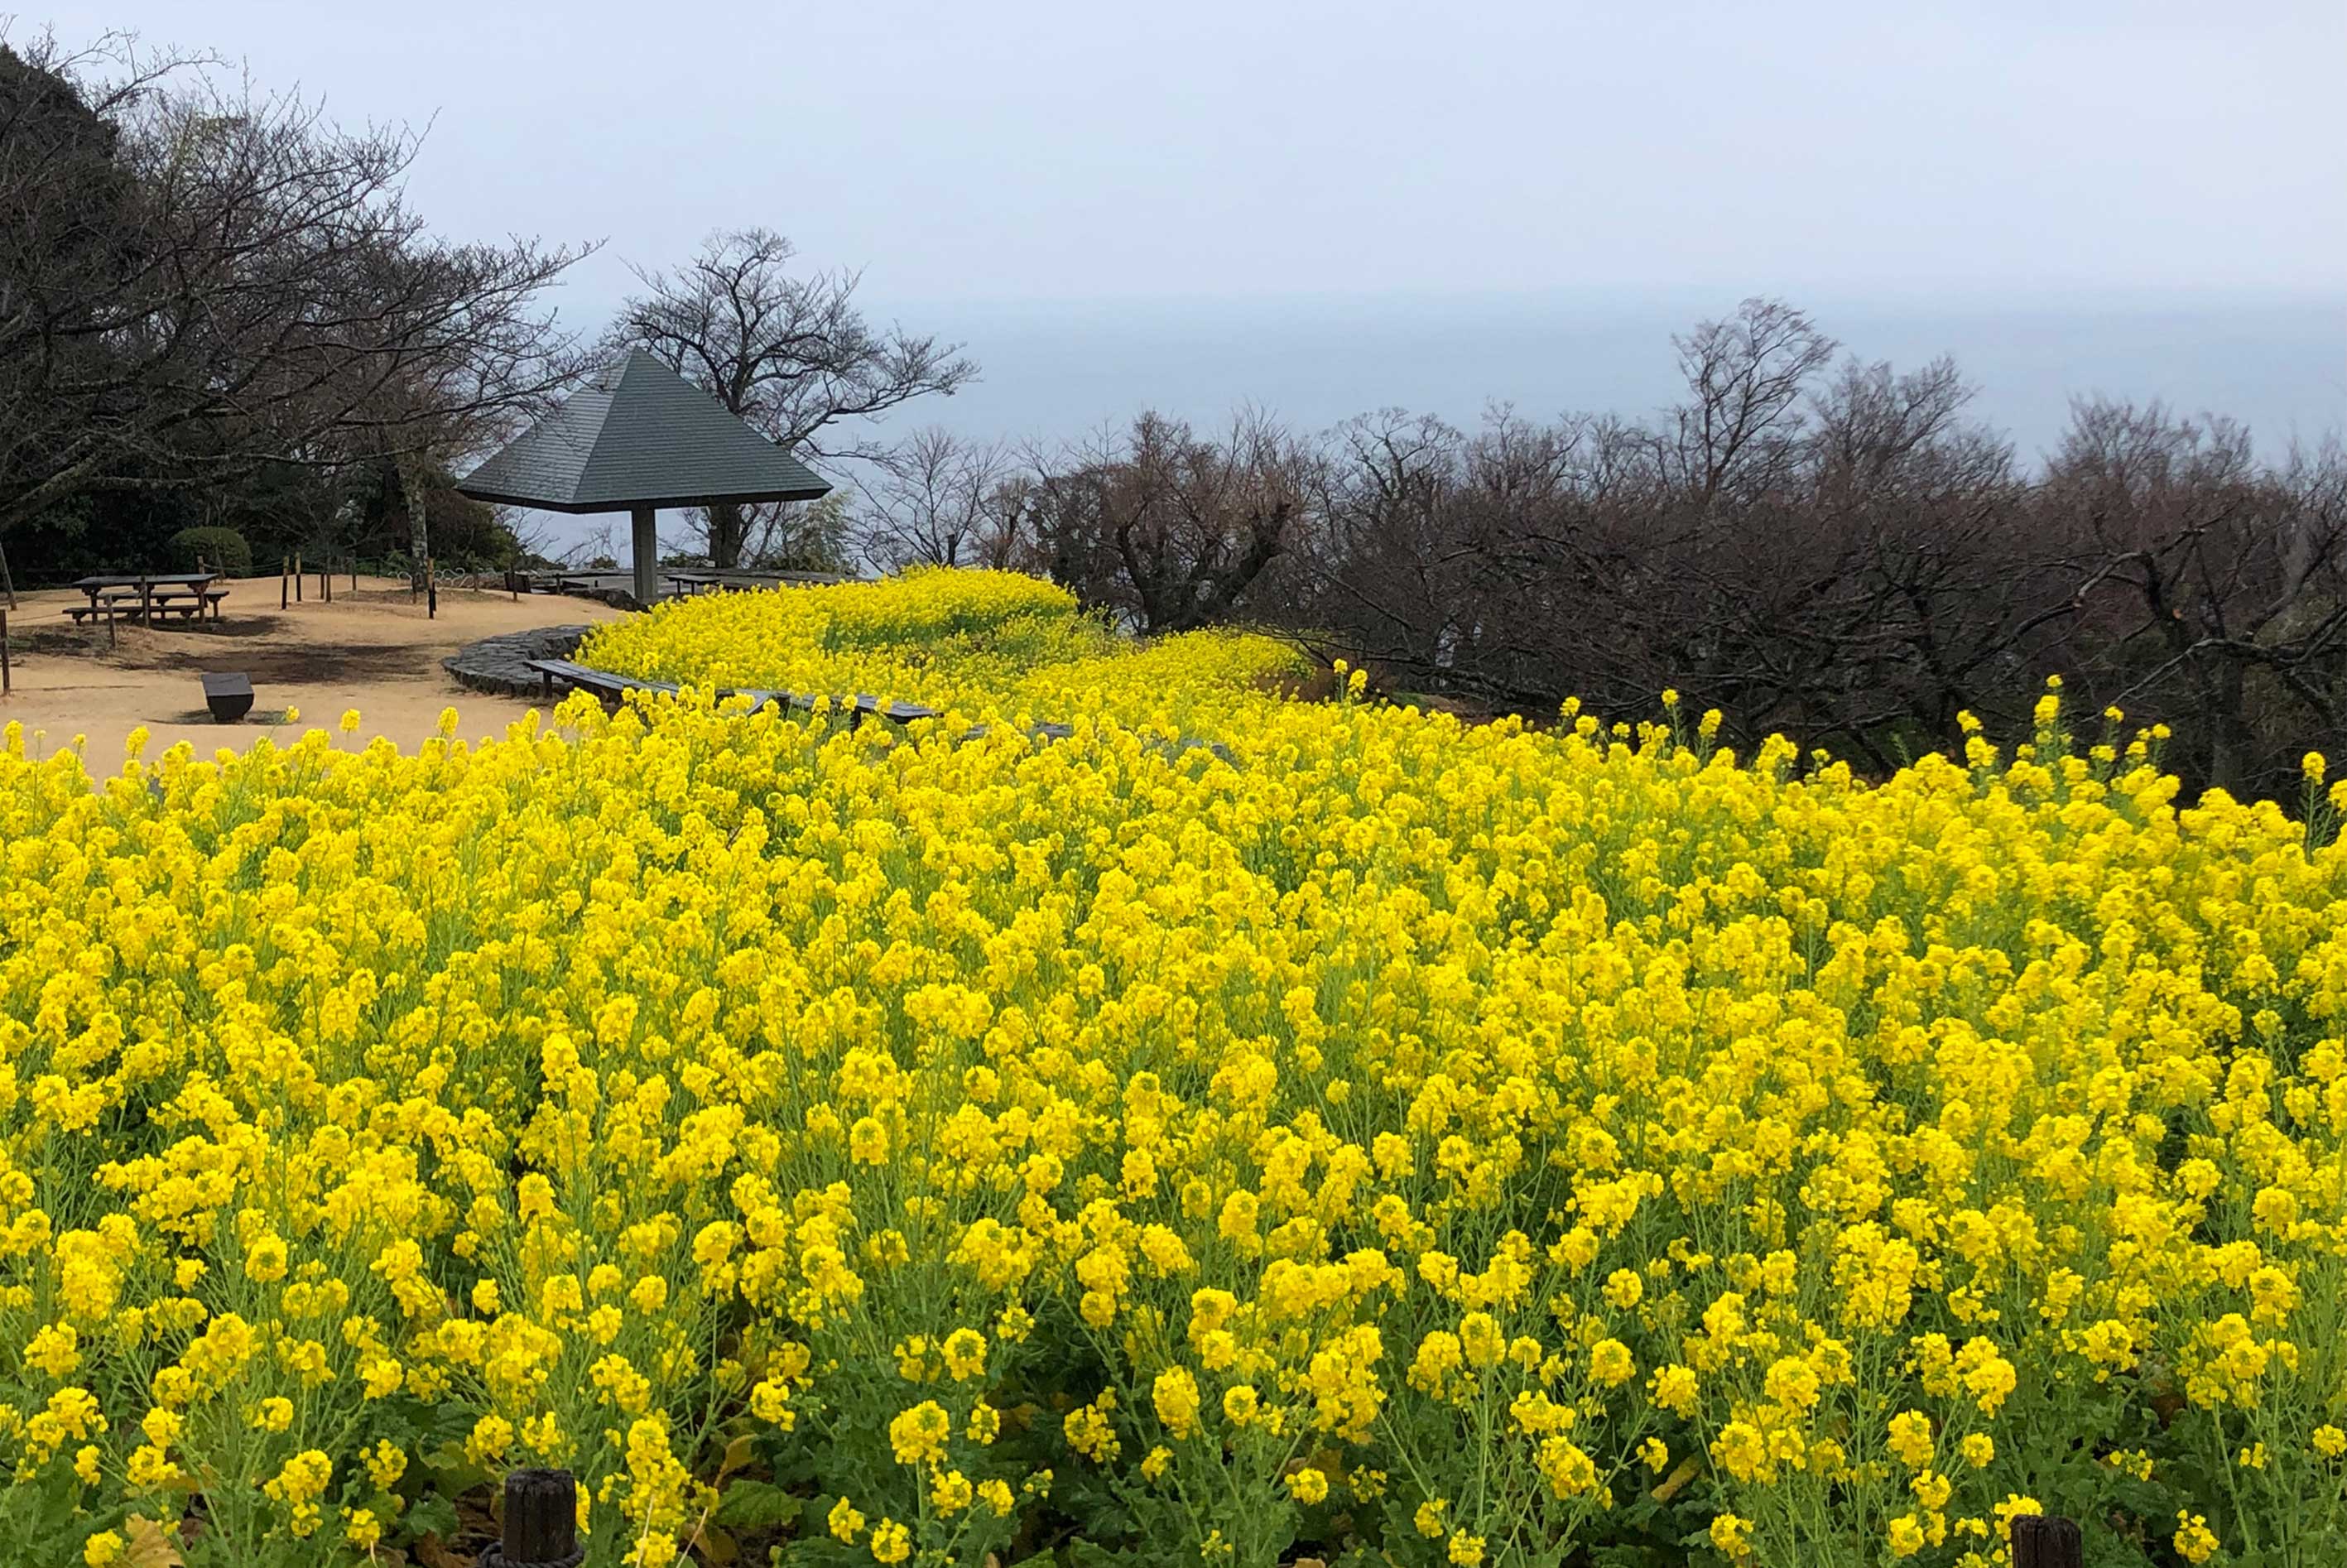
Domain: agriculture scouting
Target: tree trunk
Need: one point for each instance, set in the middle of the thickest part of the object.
(2231, 742)
(727, 527)
(419, 539)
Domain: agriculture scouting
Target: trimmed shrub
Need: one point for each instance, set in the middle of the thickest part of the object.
(221, 549)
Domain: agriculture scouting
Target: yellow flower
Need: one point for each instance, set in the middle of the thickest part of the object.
(950, 1491)
(1911, 1438)
(1624, 1287)
(1674, 1389)
(918, 1435)
(53, 1350)
(891, 1542)
(844, 1522)
(965, 1354)
(1175, 1397)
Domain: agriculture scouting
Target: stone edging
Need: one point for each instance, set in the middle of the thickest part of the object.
(499, 665)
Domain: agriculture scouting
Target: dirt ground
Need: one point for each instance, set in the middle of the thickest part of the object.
(371, 649)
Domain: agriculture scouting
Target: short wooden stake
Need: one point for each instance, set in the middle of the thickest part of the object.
(326, 584)
(297, 577)
(431, 592)
(283, 567)
(541, 1519)
(2042, 1541)
(7, 680)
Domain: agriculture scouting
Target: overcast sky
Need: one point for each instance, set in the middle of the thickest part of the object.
(1012, 149)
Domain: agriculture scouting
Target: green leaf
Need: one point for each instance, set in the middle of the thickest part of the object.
(431, 1514)
(756, 1505)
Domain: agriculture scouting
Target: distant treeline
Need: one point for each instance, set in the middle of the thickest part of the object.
(1829, 549)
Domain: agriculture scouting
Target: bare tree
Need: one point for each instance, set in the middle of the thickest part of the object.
(197, 278)
(942, 500)
(790, 353)
(1165, 528)
(1746, 375)
(2214, 589)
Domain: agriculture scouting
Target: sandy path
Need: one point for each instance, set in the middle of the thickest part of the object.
(373, 651)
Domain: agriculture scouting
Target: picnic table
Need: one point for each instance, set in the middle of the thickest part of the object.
(184, 593)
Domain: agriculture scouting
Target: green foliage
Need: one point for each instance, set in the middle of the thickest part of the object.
(221, 549)
(100, 532)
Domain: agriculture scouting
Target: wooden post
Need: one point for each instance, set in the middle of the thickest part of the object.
(297, 577)
(644, 532)
(431, 592)
(146, 603)
(326, 583)
(354, 573)
(2041, 1540)
(284, 565)
(541, 1518)
(109, 626)
(7, 680)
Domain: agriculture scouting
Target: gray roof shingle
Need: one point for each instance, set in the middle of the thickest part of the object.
(639, 434)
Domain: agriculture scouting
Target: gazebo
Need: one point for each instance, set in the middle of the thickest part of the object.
(636, 438)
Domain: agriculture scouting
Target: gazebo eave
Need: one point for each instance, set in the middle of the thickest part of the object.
(654, 503)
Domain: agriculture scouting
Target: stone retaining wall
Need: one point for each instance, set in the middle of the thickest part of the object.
(500, 664)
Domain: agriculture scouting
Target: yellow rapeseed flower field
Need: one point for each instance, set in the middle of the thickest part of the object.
(1385, 1141)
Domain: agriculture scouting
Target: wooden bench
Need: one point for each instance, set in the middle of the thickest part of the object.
(612, 689)
(227, 693)
(1052, 730)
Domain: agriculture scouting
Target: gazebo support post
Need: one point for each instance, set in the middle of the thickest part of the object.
(647, 551)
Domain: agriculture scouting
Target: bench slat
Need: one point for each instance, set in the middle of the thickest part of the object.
(572, 674)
